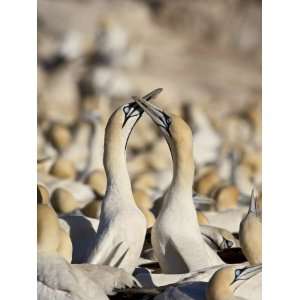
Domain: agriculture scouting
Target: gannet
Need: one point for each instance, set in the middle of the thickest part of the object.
(226, 281)
(97, 181)
(58, 279)
(178, 250)
(59, 136)
(63, 169)
(51, 237)
(250, 233)
(122, 228)
(63, 201)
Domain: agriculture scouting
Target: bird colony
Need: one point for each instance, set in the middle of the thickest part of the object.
(139, 197)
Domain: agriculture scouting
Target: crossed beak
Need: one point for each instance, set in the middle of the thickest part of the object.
(155, 113)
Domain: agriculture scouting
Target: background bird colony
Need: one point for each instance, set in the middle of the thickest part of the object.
(93, 56)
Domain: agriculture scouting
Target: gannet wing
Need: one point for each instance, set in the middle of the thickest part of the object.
(108, 278)
(105, 244)
(189, 253)
(57, 279)
(177, 253)
(110, 249)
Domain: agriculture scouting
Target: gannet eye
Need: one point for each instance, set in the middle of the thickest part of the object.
(168, 120)
(131, 110)
(126, 109)
(237, 273)
(229, 244)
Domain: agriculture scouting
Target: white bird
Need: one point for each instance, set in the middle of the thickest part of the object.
(58, 279)
(250, 233)
(178, 250)
(122, 228)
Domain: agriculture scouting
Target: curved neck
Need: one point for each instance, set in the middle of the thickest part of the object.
(114, 160)
(181, 188)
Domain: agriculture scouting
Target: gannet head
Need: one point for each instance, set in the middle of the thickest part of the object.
(124, 118)
(226, 280)
(176, 131)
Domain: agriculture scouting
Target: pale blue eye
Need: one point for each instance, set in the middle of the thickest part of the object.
(126, 109)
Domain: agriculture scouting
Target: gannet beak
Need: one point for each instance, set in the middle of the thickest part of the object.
(248, 272)
(252, 207)
(226, 244)
(150, 96)
(159, 117)
(132, 109)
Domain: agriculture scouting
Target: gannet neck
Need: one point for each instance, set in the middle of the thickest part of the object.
(117, 133)
(114, 160)
(183, 166)
(183, 163)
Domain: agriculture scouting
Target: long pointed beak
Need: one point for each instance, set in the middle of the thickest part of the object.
(252, 207)
(249, 272)
(136, 108)
(155, 113)
(152, 94)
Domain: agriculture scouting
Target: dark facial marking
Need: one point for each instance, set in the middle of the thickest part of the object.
(228, 243)
(131, 131)
(166, 120)
(237, 273)
(131, 110)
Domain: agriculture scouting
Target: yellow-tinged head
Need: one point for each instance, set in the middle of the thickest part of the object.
(63, 201)
(176, 131)
(64, 169)
(119, 127)
(224, 282)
